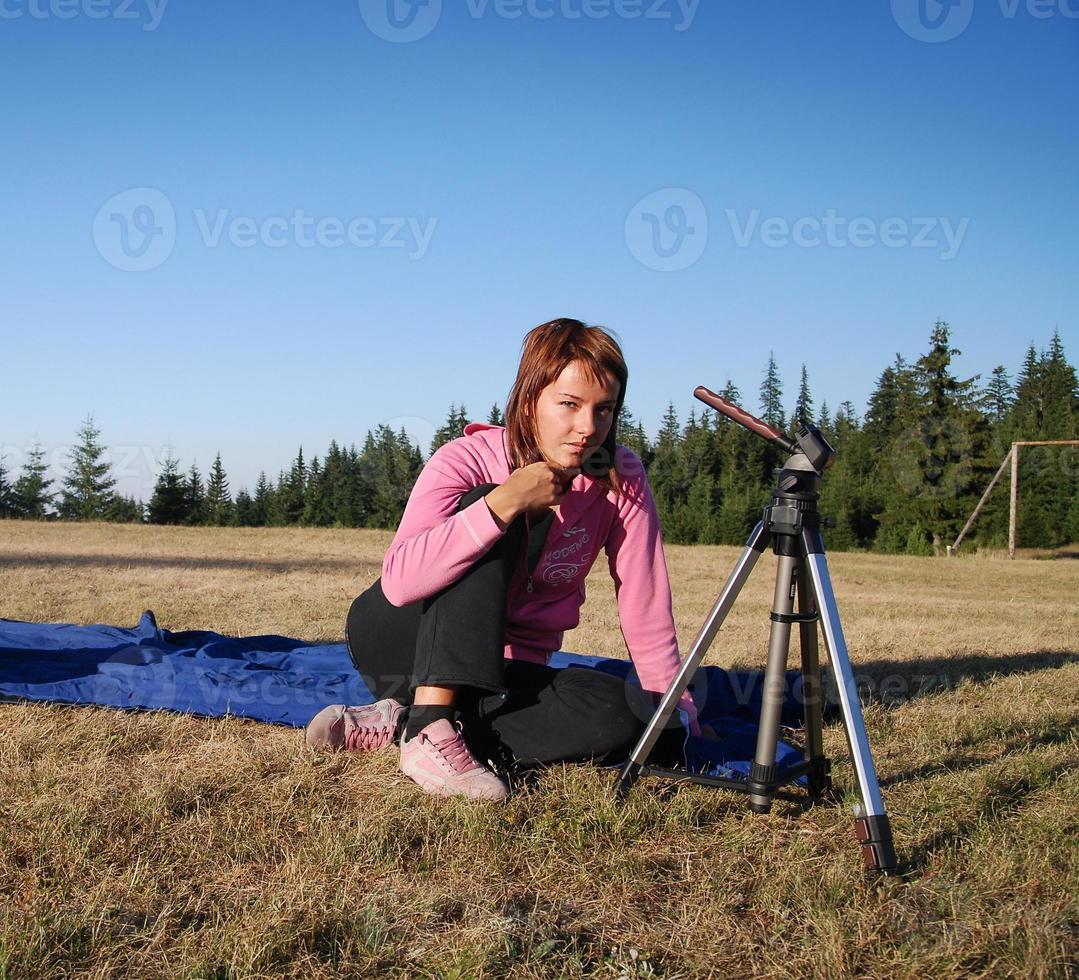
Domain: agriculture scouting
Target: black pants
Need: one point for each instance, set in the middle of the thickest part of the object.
(512, 711)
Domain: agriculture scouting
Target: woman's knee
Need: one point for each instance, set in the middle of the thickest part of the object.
(471, 496)
(607, 707)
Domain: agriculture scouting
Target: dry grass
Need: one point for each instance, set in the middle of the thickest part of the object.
(154, 844)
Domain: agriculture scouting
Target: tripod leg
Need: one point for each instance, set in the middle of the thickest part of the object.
(762, 775)
(631, 771)
(812, 697)
(871, 826)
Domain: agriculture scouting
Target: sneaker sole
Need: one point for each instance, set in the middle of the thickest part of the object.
(437, 788)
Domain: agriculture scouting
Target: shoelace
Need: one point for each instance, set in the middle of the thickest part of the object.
(455, 752)
(366, 737)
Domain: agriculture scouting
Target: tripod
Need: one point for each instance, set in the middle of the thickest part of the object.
(791, 526)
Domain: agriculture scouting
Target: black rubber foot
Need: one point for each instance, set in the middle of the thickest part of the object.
(630, 773)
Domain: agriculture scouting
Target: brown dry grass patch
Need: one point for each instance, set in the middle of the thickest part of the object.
(164, 845)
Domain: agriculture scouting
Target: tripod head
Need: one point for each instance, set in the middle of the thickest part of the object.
(808, 442)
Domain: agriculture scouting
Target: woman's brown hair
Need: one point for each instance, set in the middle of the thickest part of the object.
(545, 353)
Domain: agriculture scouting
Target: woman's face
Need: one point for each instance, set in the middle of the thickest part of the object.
(574, 414)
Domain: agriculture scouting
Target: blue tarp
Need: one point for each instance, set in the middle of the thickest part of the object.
(285, 681)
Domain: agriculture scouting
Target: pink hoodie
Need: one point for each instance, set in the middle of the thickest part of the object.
(434, 546)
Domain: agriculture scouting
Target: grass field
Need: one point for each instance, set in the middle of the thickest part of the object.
(165, 845)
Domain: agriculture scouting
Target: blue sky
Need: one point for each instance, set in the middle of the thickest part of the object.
(690, 176)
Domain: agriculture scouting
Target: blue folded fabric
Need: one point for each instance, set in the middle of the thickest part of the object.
(285, 681)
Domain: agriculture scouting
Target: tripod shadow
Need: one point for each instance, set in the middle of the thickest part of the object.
(894, 682)
(362, 567)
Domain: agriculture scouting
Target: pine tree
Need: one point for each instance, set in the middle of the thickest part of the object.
(630, 433)
(218, 505)
(244, 512)
(1046, 407)
(31, 496)
(361, 483)
(824, 422)
(195, 496)
(338, 481)
(452, 428)
(126, 510)
(668, 478)
(169, 501)
(848, 415)
(731, 393)
(669, 430)
(803, 407)
(1061, 393)
(88, 488)
(389, 467)
(316, 506)
(702, 466)
(998, 396)
(7, 499)
(495, 416)
(291, 490)
(278, 501)
(937, 466)
(263, 502)
(772, 395)
(1028, 408)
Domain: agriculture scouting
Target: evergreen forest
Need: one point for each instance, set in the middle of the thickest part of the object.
(907, 474)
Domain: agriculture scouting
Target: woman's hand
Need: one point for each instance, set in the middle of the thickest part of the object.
(531, 488)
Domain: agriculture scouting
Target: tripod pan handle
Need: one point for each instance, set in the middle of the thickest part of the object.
(742, 417)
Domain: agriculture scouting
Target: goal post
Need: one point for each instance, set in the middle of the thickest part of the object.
(1012, 456)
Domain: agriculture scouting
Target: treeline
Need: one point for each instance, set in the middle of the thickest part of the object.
(907, 474)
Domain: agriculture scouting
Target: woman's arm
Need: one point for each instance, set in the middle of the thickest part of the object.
(434, 544)
(638, 566)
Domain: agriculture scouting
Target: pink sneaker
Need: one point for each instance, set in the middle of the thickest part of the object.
(360, 729)
(441, 763)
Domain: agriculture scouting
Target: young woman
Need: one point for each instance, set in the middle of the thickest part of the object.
(486, 572)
